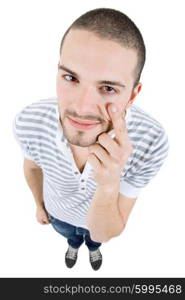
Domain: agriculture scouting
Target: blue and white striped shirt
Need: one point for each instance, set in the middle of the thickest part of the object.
(67, 192)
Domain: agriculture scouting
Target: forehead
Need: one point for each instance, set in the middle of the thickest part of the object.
(84, 51)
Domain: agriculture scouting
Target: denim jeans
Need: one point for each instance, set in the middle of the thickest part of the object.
(75, 235)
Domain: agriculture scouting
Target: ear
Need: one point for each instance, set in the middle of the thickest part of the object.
(134, 93)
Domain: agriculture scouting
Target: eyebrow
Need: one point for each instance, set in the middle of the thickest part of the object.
(62, 67)
(117, 83)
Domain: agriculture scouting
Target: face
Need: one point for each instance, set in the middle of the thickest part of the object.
(92, 74)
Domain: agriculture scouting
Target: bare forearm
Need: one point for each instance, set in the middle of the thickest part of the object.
(34, 179)
(104, 219)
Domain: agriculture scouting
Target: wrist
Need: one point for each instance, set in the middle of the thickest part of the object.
(106, 194)
(40, 205)
(109, 188)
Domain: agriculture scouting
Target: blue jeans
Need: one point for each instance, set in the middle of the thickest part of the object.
(75, 235)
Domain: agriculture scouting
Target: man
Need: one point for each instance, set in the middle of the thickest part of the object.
(85, 181)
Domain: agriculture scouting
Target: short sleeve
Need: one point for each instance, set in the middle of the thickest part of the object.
(132, 184)
(18, 135)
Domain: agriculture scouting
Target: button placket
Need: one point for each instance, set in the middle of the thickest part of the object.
(82, 184)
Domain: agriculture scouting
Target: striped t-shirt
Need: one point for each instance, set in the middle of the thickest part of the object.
(67, 193)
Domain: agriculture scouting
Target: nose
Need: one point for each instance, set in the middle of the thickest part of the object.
(86, 101)
(89, 103)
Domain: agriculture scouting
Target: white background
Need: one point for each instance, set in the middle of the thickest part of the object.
(152, 244)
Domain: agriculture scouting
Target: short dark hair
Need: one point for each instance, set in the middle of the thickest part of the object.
(113, 25)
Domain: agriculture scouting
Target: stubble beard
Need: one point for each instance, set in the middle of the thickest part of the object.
(81, 138)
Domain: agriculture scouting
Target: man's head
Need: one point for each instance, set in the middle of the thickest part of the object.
(102, 55)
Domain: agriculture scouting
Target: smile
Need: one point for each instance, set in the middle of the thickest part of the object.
(83, 124)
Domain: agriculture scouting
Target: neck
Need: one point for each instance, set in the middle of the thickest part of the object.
(80, 155)
(79, 150)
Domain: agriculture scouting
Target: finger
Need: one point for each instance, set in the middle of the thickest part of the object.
(109, 144)
(45, 220)
(94, 161)
(100, 153)
(41, 222)
(118, 122)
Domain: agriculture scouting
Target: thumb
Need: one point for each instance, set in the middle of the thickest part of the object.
(116, 115)
(113, 111)
(118, 121)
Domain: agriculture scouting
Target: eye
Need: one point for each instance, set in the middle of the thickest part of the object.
(70, 78)
(108, 89)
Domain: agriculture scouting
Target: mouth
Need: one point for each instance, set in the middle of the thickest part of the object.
(82, 124)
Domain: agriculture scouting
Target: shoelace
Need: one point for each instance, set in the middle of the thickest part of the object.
(72, 253)
(95, 255)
